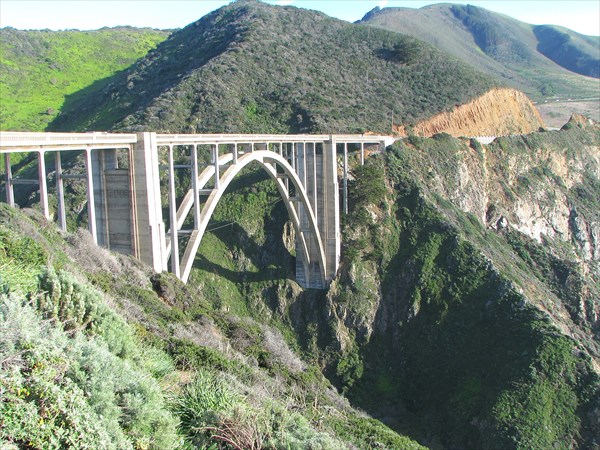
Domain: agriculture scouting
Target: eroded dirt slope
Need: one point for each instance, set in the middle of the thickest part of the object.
(498, 112)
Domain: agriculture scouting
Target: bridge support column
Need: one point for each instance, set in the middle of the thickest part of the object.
(91, 196)
(148, 227)
(60, 192)
(112, 200)
(43, 183)
(173, 215)
(329, 191)
(317, 170)
(10, 193)
(303, 270)
(100, 161)
(309, 273)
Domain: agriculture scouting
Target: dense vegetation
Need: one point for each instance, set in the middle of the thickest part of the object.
(445, 322)
(448, 339)
(116, 358)
(252, 67)
(419, 328)
(527, 57)
(39, 70)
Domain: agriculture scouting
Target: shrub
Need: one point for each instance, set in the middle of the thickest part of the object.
(64, 299)
(368, 187)
(41, 407)
(201, 405)
(22, 248)
(350, 369)
(77, 306)
(65, 388)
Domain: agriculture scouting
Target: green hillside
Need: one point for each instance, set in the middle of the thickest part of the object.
(465, 312)
(543, 61)
(252, 67)
(39, 69)
(98, 352)
(461, 312)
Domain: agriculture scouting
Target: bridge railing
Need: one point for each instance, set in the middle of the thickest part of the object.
(11, 141)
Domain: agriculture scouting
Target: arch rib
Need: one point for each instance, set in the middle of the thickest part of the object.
(265, 158)
(206, 175)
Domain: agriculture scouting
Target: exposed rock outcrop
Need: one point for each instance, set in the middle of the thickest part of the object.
(498, 112)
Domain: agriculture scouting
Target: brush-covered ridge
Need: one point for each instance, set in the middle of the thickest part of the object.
(543, 61)
(253, 67)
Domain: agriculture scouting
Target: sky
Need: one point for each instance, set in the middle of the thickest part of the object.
(582, 16)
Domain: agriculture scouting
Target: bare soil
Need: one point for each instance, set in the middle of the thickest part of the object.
(498, 112)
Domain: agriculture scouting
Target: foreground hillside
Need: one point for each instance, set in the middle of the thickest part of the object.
(98, 352)
(253, 67)
(40, 69)
(543, 61)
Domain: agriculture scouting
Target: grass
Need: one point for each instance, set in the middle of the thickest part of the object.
(40, 69)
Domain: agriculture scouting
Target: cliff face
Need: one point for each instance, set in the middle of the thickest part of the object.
(469, 294)
(498, 112)
(538, 191)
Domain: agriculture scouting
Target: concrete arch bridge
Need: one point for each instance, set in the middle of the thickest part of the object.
(125, 195)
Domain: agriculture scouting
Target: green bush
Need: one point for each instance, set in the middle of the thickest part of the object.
(368, 186)
(212, 412)
(22, 249)
(350, 369)
(68, 390)
(200, 407)
(62, 298)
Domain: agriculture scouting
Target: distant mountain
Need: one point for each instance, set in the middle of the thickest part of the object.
(573, 51)
(542, 61)
(253, 67)
(39, 68)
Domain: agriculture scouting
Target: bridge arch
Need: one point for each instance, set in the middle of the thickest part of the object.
(269, 161)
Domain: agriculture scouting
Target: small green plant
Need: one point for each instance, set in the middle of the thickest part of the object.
(200, 407)
(64, 299)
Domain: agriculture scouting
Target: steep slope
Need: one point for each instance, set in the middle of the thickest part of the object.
(465, 313)
(533, 59)
(496, 113)
(467, 307)
(38, 69)
(253, 67)
(98, 352)
(573, 51)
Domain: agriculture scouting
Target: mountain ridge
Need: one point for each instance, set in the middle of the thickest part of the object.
(481, 38)
(251, 86)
